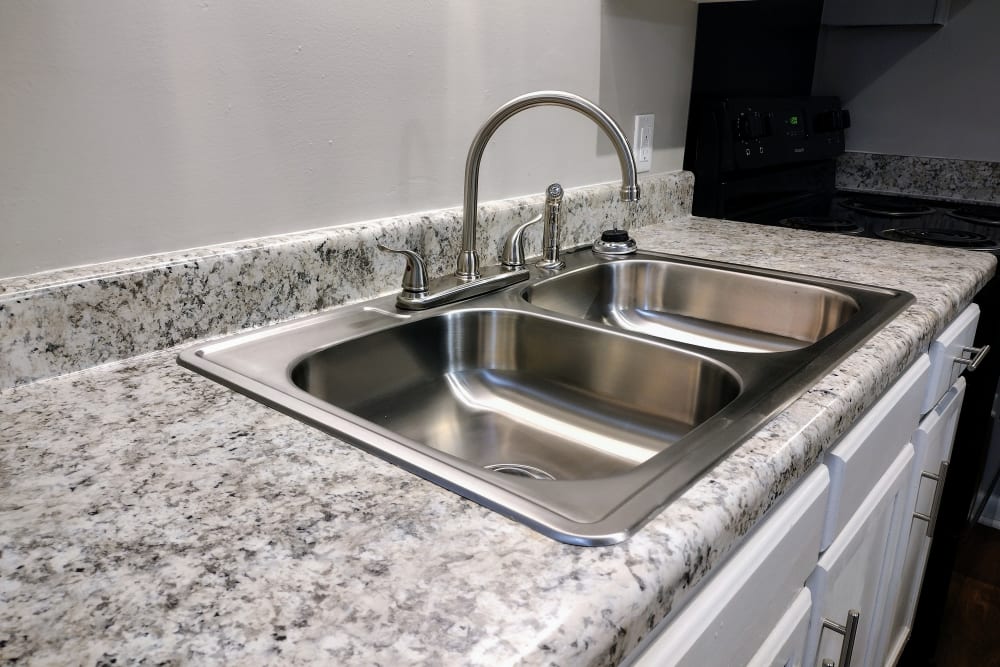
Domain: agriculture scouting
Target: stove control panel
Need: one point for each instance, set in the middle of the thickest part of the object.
(743, 133)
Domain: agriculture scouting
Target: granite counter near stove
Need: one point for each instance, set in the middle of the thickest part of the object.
(951, 179)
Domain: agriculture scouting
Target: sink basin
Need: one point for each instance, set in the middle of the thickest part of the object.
(708, 306)
(578, 403)
(488, 388)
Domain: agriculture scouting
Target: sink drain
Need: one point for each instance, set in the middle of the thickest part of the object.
(520, 470)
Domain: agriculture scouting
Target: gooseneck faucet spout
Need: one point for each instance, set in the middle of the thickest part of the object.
(468, 259)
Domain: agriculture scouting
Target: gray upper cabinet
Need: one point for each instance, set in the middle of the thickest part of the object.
(885, 12)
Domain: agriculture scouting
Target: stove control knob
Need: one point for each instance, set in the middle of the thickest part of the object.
(743, 127)
(751, 126)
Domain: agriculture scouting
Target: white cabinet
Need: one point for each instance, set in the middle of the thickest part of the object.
(932, 448)
(836, 566)
(864, 453)
(932, 442)
(870, 505)
(738, 608)
(753, 609)
(852, 576)
(785, 646)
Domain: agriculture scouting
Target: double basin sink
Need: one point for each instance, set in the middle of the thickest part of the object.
(579, 402)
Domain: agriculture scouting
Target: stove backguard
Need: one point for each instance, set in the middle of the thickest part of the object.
(751, 153)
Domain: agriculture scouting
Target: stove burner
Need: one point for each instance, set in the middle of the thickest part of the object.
(952, 238)
(890, 208)
(985, 215)
(822, 224)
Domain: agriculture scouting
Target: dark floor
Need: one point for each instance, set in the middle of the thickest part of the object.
(970, 632)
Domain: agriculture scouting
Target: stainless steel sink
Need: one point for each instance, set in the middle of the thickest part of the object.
(515, 392)
(544, 401)
(704, 305)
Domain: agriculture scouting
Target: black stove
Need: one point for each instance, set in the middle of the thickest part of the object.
(772, 161)
(951, 238)
(895, 218)
(821, 223)
(886, 207)
(977, 213)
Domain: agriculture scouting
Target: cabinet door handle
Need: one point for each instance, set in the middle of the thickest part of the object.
(939, 480)
(849, 632)
(978, 354)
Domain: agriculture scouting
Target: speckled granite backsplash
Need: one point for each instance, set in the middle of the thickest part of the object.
(937, 178)
(67, 320)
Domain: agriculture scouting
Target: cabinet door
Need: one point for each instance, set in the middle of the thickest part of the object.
(853, 574)
(737, 608)
(786, 644)
(932, 445)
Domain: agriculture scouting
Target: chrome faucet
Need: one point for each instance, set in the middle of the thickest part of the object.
(468, 259)
(418, 293)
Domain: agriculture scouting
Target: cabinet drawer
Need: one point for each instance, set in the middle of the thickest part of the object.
(945, 349)
(733, 612)
(861, 457)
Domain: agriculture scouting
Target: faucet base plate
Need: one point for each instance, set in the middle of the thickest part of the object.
(451, 288)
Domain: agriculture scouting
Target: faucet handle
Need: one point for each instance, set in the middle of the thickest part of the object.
(513, 247)
(415, 274)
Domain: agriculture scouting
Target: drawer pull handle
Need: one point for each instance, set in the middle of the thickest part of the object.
(849, 632)
(977, 356)
(939, 478)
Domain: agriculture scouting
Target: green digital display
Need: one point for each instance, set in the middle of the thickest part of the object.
(793, 120)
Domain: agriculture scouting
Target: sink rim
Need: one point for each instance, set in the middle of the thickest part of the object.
(545, 505)
(635, 495)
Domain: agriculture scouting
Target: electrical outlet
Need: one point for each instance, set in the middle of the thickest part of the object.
(642, 144)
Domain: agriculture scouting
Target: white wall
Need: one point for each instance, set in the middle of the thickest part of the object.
(919, 90)
(131, 128)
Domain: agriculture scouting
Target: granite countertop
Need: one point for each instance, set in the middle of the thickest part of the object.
(149, 514)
